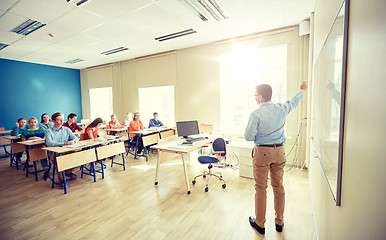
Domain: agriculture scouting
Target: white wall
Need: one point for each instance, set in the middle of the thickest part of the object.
(362, 213)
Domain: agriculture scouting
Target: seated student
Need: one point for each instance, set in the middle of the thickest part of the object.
(46, 122)
(154, 122)
(71, 123)
(34, 133)
(20, 126)
(136, 125)
(60, 136)
(113, 124)
(91, 131)
(129, 118)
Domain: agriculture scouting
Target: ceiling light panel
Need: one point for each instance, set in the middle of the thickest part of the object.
(3, 45)
(27, 27)
(33, 9)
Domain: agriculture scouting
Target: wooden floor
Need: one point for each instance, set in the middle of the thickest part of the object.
(127, 205)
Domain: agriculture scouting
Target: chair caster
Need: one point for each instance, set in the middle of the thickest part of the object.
(188, 192)
(204, 176)
(156, 183)
(194, 182)
(224, 185)
(206, 189)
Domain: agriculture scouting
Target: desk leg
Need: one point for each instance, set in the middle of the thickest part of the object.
(156, 169)
(53, 171)
(26, 166)
(186, 173)
(64, 182)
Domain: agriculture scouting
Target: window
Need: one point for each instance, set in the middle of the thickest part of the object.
(157, 99)
(101, 103)
(240, 72)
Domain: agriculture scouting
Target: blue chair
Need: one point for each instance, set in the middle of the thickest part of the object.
(219, 150)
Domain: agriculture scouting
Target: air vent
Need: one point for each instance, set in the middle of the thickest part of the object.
(28, 27)
(116, 50)
(3, 45)
(175, 35)
(76, 60)
(77, 2)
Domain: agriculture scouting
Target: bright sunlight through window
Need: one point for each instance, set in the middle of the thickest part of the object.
(101, 103)
(157, 99)
(240, 72)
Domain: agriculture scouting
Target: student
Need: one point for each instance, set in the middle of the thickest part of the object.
(58, 135)
(91, 131)
(266, 129)
(113, 124)
(71, 123)
(20, 126)
(136, 125)
(46, 122)
(34, 133)
(129, 118)
(154, 122)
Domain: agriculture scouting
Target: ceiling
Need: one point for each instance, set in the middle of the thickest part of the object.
(96, 26)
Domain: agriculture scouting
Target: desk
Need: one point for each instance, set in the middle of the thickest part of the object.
(90, 143)
(145, 132)
(243, 151)
(12, 139)
(4, 141)
(28, 145)
(175, 146)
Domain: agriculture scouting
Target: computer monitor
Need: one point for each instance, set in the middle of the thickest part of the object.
(187, 128)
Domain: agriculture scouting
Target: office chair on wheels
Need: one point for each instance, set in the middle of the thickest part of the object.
(219, 149)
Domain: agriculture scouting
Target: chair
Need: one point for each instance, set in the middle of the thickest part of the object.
(205, 129)
(219, 148)
(35, 154)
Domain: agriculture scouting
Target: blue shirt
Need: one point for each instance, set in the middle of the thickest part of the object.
(153, 123)
(55, 137)
(16, 130)
(46, 126)
(266, 124)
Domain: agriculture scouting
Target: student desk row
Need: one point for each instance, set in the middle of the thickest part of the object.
(3, 140)
(86, 152)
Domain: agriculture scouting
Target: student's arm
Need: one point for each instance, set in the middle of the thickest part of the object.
(141, 125)
(160, 123)
(15, 131)
(78, 128)
(293, 103)
(71, 138)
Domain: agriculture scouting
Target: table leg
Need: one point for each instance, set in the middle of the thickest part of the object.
(186, 173)
(156, 169)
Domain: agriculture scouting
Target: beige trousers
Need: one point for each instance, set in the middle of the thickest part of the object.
(268, 159)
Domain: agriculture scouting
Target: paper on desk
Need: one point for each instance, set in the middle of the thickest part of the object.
(78, 144)
(34, 140)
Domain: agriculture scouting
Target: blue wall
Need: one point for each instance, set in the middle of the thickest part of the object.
(29, 89)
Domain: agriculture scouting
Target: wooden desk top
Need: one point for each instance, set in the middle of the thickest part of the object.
(12, 137)
(33, 142)
(117, 129)
(177, 146)
(5, 131)
(90, 143)
(145, 131)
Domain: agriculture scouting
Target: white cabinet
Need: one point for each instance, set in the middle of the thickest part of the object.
(243, 151)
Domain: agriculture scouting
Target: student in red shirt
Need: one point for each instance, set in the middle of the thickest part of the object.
(136, 125)
(71, 123)
(91, 131)
(113, 124)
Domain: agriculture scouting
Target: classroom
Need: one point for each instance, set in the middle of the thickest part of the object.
(114, 67)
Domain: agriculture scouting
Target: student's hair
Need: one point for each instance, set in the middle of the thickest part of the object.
(55, 115)
(265, 91)
(95, 122)
(71, 115)
(32, 118)
(135, 114)
(155, 113)
(44, 115)
(115, 116)
(21, 119)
